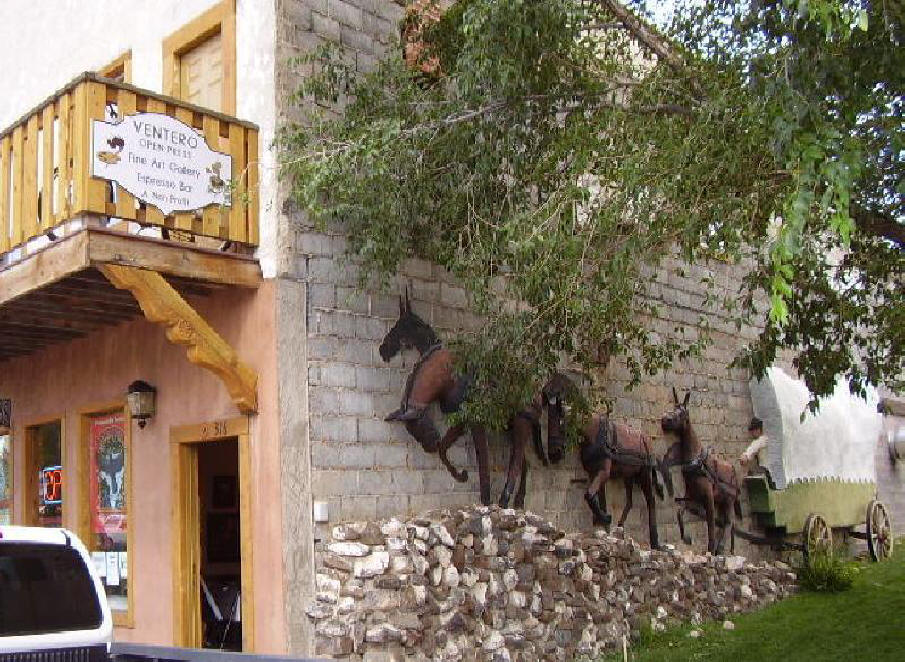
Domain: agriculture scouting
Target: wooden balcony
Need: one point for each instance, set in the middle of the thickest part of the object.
(79, 251)
(46, 158)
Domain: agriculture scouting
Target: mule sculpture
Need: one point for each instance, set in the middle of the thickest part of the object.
(433, 379)
(612, 450)
(711, 485)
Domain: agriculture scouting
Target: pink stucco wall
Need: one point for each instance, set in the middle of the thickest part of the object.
(64, 380)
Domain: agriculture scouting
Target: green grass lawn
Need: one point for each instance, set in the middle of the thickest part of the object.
(867, 622)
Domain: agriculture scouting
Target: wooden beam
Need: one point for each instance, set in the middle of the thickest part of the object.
(49, 265)
(172, 258)
(162, 304)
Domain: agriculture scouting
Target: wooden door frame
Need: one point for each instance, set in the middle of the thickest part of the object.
(184, 443)
(30, 482)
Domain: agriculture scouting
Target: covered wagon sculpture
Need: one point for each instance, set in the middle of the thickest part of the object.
(823, 469)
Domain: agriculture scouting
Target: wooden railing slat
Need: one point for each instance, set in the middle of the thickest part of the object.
(237, 231)
(64, 160)
(4, 194)
(16, 234)
(254, 184)
(125, 203)
(79, 142)
(211, 214)
(30, 179)
(96, 189)
(47, 188)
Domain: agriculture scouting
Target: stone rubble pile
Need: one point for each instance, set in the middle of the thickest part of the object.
(495, 584)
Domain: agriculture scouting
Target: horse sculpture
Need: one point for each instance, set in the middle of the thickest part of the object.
(711, 486)
(433, 379)
(611, 450)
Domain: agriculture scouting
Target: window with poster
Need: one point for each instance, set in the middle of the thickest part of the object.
(106, 442)
(6, 476)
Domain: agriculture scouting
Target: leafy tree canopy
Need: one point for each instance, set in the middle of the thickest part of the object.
(556, 150)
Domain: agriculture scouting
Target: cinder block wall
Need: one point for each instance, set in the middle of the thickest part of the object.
(367, 469)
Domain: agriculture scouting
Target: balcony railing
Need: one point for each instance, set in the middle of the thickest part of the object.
(46, 177)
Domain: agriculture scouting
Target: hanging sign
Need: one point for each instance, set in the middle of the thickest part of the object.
(161, 161)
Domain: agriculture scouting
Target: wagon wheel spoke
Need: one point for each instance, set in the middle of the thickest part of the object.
(817, 538)
(879, 531)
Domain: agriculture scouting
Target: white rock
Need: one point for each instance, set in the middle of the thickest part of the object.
(371, 566)
(328, 597)
(728, 625)
(517, 599)
(419, 563)
(394, 529)
(324, 582)
(493, 641)
(444, 556)
(443, 535)
(436, 575)
(422, 532)
(479, 593)
(510, 579)
(586, 573)
(468, 540)
(384, 633)
(694, 634)
(468, 577)
(397, 544)
(451, 576)
(348, 549)
(346, 605)
(746, 591)
(734, 563)
(401, 565)
(486, 525)
(661, 612)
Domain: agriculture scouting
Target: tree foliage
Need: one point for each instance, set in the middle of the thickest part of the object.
(556, 150)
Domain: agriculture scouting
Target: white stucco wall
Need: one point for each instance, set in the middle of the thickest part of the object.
(46, 43)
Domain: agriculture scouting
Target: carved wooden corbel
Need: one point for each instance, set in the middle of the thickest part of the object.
(162, 304)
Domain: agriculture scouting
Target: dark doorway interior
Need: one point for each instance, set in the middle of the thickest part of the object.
(221, 568)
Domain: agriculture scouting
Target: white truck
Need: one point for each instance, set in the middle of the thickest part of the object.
(52, 604)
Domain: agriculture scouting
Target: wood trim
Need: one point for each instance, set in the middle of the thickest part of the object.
(162, 304)
(185, 441)
(221, 18)
(120, 618)
(30, 484)
(122, 64)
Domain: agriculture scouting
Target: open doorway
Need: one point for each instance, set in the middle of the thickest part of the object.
(212, 536)
(44, 474)
(219, 542)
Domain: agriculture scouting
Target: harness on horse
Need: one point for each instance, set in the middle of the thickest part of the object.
(608, 443)
(700, 466)
(410, 381)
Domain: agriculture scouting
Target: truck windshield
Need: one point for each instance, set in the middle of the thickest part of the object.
(45, 588)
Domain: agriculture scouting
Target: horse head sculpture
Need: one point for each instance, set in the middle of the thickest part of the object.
(555, 396)
(409, 332)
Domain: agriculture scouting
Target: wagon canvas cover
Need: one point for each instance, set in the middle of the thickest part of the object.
(836, 443)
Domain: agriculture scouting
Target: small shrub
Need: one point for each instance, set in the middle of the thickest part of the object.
(827, 572)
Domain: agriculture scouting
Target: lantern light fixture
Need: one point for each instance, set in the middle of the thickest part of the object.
(141, 398)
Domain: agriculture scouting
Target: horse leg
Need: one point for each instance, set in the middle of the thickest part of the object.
(479, 435)
(710, 516)
(596, 489)
(686, 539)
(448, 440)
(629, 485)
(647, 490)
(516, 460)
(522, 488)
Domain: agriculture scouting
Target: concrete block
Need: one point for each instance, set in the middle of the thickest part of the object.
(325, 26)
(370, 328)
(356, 403)
(357, 39)
(321, 347)
(326, 483)
(325, 455)
(345, 12)
(352, 299)
(374, 431)
(376, 482)
(334, 428)
(453, 296)
(356, 351)
(338, 374)
(390, 456)
(356, 456)
(372, 379)
(358, 508)
(321, 295)
(323, 400)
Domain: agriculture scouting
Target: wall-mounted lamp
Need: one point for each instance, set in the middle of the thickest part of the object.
(141, 397)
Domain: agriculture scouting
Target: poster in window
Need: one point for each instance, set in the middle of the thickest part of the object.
(107, 474)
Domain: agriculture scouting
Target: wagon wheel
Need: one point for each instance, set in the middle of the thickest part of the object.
(879, 531)
(818, 536)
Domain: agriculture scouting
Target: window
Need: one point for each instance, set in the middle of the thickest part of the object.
(120, 69)
(6, 477)
(44, 474)
(45, 588)
(105, 511)
(199, 60)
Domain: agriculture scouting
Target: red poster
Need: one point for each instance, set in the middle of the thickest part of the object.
(107, 474)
